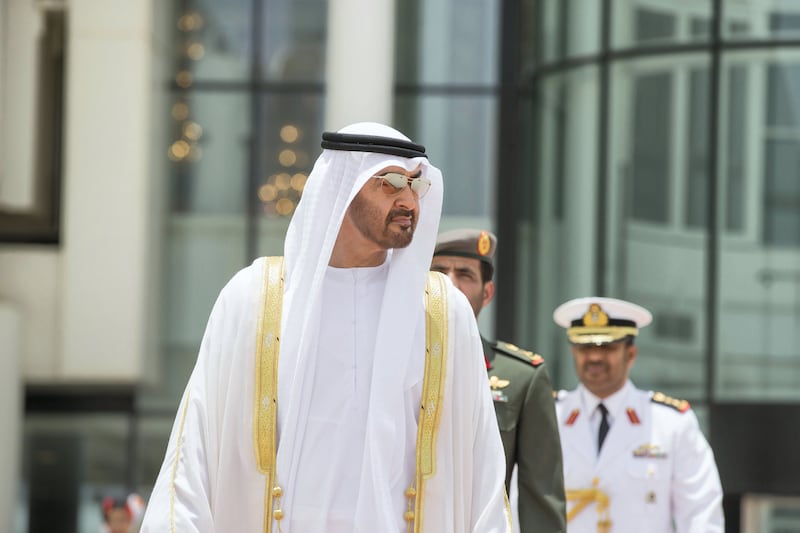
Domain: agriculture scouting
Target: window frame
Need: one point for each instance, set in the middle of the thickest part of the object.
(37, 222)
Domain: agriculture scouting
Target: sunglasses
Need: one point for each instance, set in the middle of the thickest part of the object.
(393, 183)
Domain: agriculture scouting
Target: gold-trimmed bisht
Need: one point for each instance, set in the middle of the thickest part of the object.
(266, 392)
(432, 397)
(266, 387)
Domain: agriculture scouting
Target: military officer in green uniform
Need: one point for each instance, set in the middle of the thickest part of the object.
(520, 385)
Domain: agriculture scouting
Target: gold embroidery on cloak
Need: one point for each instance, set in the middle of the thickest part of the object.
(266, 389)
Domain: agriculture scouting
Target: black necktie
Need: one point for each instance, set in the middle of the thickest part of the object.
(601, 434)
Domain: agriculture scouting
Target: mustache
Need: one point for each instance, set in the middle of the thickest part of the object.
(401, 213)
(596, 364)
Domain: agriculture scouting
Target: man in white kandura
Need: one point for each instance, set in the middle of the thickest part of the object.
(344, 389)
(634, 460)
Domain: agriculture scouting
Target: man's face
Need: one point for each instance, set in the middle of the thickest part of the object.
(118, 520)
(603, 369)
(465, 272)
(384, 216)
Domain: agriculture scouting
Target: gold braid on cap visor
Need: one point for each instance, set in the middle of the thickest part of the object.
(599, 334)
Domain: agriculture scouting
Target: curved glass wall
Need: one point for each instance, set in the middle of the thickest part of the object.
(654, 223)
(649, 24)
(663, 168)
(666, 172)
(759, 305)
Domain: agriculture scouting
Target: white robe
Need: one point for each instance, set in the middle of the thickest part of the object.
(209, 481)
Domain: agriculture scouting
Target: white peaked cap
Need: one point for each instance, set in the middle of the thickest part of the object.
(600, 320)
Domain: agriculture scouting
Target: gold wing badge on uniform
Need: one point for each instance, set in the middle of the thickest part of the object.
(496, 384)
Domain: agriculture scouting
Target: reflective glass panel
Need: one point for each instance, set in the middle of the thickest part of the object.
(70, 463)
(205, 240)
(760, 19)
(291, 128)
(556, 238)
(449, 42)
(293, 40)
(759, 282)
(210, 151)
(458, 133)
(221, 208)
(213, 40)
(650, 23)
(553, 30)
(655, 239)
(697, 156)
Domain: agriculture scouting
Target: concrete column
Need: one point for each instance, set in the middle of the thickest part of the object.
(20, 27)
(109, 190)
(10, 414)
(359, 62)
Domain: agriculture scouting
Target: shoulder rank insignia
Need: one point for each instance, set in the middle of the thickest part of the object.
(497, 383)
(523, 355)
(669, 401)
(573, 416)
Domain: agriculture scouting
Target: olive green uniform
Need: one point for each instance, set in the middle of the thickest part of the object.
(523, 401)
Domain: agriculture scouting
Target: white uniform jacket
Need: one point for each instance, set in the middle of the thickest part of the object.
(656, 467)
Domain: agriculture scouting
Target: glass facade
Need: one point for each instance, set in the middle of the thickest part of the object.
(760, 228)
(628, 136)
(246, 110)
(663, 169)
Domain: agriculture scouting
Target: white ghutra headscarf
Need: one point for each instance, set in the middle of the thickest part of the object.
(335, 180)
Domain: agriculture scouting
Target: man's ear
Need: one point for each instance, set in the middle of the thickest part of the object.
(488, 293)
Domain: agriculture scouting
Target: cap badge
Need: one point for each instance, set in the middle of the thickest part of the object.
(595, 316)
(484, 243)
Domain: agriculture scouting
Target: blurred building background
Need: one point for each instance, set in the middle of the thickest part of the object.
(643, 149)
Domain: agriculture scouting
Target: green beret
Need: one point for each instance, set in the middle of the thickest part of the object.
(474, 243)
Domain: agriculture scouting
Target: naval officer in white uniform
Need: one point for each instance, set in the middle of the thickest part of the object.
(634, 461)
